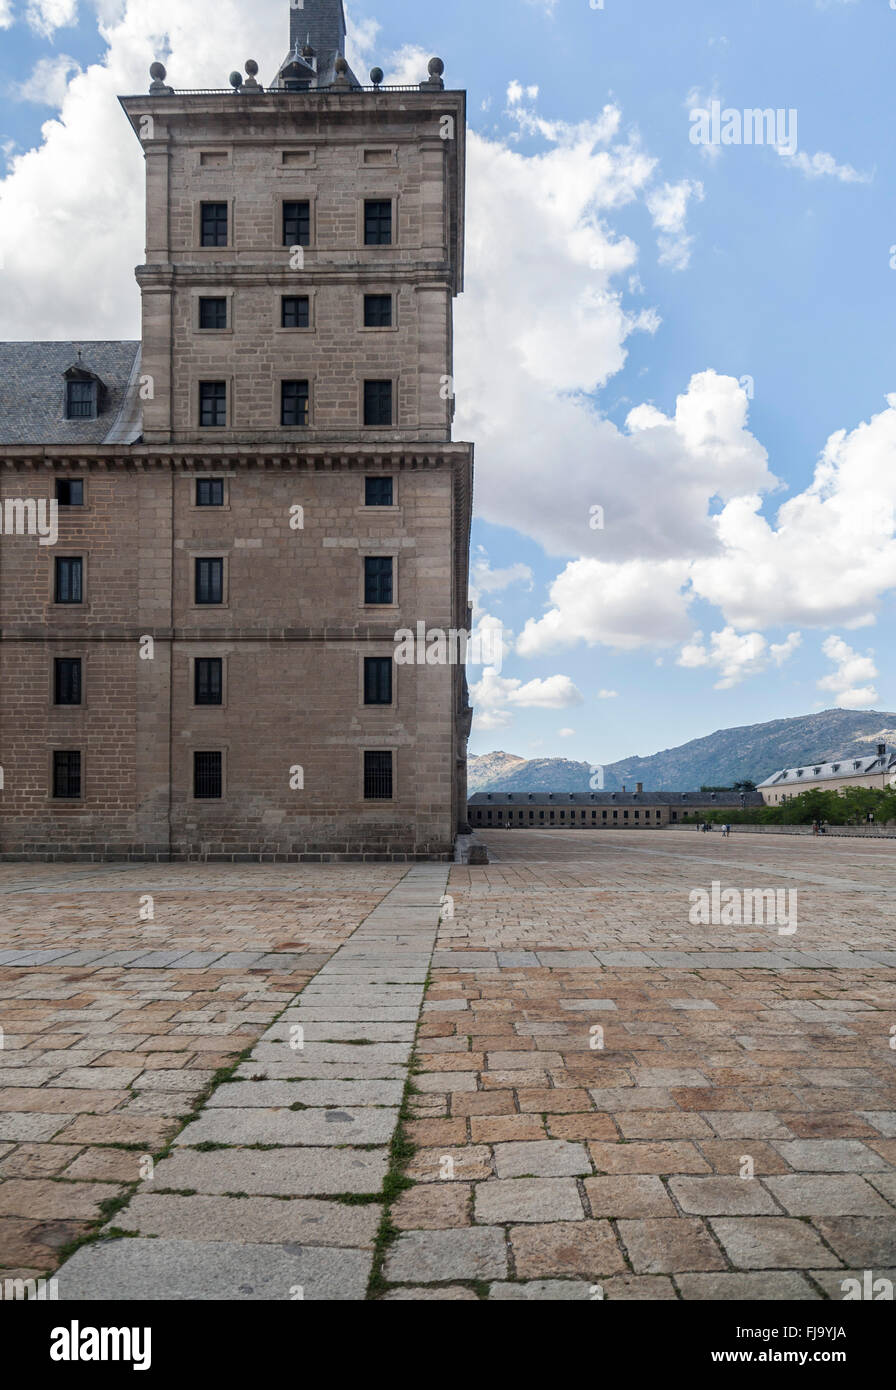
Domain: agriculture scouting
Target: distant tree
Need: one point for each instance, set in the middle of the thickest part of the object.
(717, 789)
(745, 786)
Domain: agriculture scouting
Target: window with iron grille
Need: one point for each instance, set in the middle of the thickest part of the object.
(296, 224)
(207, 776)
(80, 400)
(66, 775)
(209, 492)
(377, 680)
(213, 404)
(377, 222)
(378, 402)
(377, 311)
(213, 313)
(378, 492)
(295, 311)
(378, 579)
(67, 680)
(209, 580)
(294, 403)
(209, 680)
(377, 776)
(70, 492)
(69, 579)
(214, 224)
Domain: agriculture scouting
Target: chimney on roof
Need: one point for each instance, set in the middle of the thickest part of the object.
(640, 787)
(623, 786)
(881, 750)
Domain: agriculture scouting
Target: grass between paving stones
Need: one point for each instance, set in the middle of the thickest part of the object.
(110, 1205)
(401, 1151)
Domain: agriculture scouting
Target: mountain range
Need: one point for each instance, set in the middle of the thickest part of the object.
(751, 752)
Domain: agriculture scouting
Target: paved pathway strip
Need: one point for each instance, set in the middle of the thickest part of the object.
(258, 1199)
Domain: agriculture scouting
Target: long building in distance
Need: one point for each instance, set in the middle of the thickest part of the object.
(254, 499)
(877, 772)
(637, 810)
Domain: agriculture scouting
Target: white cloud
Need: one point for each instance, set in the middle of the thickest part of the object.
(736, 655)
(46, 16)
(48, 82)
(565, 733)
(830, 554)
(495, 697)
(484, 579)
(406, 68)
(851, 668)
(608, 694)
(668, 207)
(516, 92)
(7, 19)
(822, 165)
(624, 606)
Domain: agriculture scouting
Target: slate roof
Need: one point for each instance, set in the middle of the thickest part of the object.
(322, 24)
(32, 393)
(620, 798)
(826, 772)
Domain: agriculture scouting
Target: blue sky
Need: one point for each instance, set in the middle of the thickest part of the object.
(754, 286)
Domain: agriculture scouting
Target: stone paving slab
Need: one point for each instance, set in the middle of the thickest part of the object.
(268, 1094)
(266, 1220)
(312, 1172)
(194, 1271)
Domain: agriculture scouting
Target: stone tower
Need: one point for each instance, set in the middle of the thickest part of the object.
(280, 495)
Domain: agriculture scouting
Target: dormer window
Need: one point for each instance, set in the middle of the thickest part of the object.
(817, 771)
(83, 394)
(835, 767)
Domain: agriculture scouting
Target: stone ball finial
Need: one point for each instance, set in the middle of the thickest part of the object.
(251, 67)
(376, 76)
(341, 66)
(236, 80)
(436, 67)
(158, 72)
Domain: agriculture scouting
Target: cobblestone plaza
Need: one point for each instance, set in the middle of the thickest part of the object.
(604, 1100)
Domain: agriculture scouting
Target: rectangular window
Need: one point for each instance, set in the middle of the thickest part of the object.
(209, 682)
(69, 579)
(67, 776)
(213, 404)
(207, 776)
(294, 403)
(297, 224)
(377, 403)
(209, 492)
(209, 581)
(295, 311)
(214, 224)
(67, 680)
(377, 222)
(377, 680)
(70, 492)
(378, 492)
(80, 400)
(377, 776)
(213, 313)
(377, 311)
(378, 579)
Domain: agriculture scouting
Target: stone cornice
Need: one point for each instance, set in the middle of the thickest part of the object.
(181, 458)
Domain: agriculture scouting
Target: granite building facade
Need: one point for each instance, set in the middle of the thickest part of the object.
(253, 500)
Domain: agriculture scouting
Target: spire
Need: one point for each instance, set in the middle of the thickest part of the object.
(318, 25)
